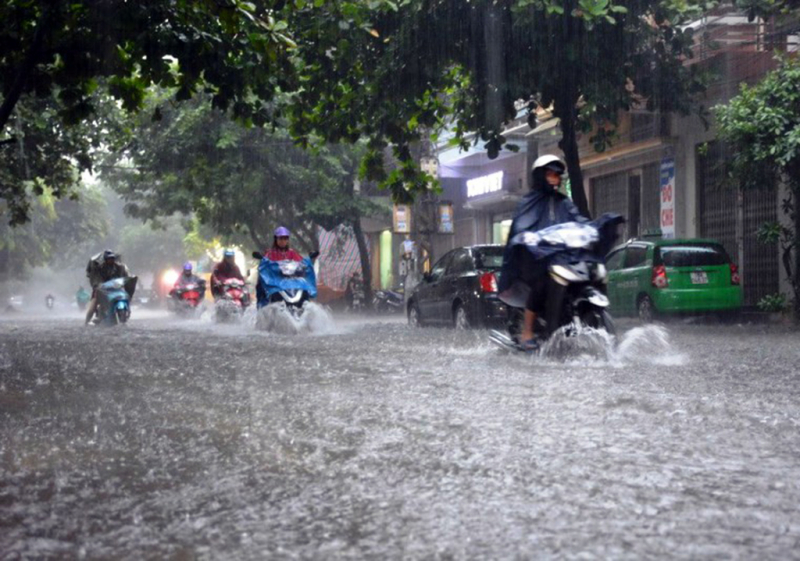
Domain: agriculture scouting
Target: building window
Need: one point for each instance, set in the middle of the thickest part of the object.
(645, 126)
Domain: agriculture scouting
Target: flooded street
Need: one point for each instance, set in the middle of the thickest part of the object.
(191, 440)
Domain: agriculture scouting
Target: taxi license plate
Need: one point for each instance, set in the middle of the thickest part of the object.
(699, 278)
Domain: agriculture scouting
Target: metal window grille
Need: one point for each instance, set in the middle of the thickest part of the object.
(719, 208)
(610, 194)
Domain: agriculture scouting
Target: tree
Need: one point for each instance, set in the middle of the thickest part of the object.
(762, 125)
(241, 182)
(60, 233)
(235, 51)
(397, 73)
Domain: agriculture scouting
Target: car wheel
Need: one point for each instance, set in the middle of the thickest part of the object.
(645, 309)
(460, 318)
(414, 319)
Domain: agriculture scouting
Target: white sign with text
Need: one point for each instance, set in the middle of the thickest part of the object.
(485, 184)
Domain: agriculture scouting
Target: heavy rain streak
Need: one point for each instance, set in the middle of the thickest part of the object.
(432, 279)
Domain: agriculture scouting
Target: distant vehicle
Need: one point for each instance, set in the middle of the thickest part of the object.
(187, 300)
(15, 303)
(146, 297)
(651, 277)
(232, 300)
(460, 291)
(49, 301)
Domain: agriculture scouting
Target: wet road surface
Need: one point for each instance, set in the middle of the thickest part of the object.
(191, 440)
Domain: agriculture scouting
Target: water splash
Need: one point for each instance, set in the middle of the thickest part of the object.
(276, 318)
(648, 344)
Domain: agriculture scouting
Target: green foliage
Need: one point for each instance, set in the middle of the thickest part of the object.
(44, 156)
(762, 125)
(151, 248)
(60, 232)
(431, 63)
(773, 303)
(57, 57)
(240, 182)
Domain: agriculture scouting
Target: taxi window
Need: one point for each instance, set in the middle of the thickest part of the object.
(694, 255)
(614, 260)
(635, 256)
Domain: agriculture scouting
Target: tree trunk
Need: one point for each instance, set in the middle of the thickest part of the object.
(569, 145)
(794, 278)
(366, 268)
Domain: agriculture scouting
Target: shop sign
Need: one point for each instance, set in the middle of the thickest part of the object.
(668, 197)
(402, 219)
(445, 218)
(485, 184)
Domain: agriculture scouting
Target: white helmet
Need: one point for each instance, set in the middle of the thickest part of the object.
(549, 161)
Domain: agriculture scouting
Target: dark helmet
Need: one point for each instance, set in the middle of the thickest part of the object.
(108, 255)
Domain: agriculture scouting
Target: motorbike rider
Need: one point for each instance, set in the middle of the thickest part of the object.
(225, 269)
(544, 206)
(186, 278)
(103, 267)
(280, 250)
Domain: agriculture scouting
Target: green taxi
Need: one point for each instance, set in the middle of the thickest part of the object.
(648, 277)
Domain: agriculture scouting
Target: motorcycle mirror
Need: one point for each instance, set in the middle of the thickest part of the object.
(257, 255)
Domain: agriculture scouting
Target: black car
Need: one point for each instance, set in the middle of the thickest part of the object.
(460, 291)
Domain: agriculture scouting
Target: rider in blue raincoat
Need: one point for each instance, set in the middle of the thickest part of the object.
(523, 279)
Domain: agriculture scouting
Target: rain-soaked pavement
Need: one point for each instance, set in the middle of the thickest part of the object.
(180, 439)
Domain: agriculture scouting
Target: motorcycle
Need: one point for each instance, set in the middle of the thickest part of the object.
(389, 301)
(284, 286)
(577, 277)
(231, 300)
(114, 300)
(355, 295)
(187, 299)
(50, 301)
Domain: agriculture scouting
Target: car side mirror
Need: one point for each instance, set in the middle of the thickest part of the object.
(258, 255)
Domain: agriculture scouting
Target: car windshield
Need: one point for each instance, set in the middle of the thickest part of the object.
(490, 257)
(692, 255)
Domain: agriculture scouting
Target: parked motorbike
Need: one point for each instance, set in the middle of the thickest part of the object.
(355, 295)
(231, 300)
(576, 297)
(114, 300)
(188, 299)
(389, 301)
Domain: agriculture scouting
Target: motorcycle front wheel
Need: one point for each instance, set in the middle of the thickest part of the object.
(600, 319)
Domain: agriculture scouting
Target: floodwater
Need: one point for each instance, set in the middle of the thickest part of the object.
(186, 439)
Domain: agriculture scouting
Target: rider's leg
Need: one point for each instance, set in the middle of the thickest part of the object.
(527, 326)
(90, 310)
